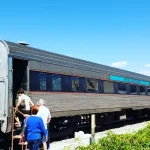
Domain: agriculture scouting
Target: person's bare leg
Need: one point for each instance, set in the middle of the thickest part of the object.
(17, 121)
(44, 146)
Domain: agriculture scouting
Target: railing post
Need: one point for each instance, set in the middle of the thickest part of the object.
(92, 140)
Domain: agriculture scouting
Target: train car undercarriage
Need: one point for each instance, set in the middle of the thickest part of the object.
(66, 126)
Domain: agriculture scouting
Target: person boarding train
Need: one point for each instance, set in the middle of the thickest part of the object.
(23, 105)
(44, 113)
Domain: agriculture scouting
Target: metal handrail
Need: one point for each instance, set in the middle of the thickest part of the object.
(18, 111)
(13, 117)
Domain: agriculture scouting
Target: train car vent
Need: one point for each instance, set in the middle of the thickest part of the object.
(23, 43)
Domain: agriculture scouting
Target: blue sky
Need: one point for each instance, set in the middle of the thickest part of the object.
(110, 32)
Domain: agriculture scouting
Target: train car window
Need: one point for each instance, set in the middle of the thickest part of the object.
(82, 85)
(148, 90)
(142, 90)
(138, 90)
(108, 87)
(66, 85)
(128, 88)
(122, 88)
(34, 81)
(75, 84)
(49, 82)
(101, 86)
(56, 82)
(133, 89)
(115, 87)
(91, 85)
(42, 81)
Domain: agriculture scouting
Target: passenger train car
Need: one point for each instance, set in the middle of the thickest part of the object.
(73, 88)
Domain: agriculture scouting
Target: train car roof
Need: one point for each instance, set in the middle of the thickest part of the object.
(30, 53)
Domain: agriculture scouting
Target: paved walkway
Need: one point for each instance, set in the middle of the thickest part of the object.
(84, 139)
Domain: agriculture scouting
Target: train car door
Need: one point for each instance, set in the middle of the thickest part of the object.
(3, 86)
(20, 76)
(2, 96)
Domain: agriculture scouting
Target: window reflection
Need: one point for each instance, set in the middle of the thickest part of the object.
(91, 85)
(133, 89)
(148, 90)
(42, 81)
(122, 88)
(108, 87)
(142, 90)
(75, 84)
(56, 80)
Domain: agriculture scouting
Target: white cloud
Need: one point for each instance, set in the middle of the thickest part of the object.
(119, 64)
(147, 65)
(146, 72)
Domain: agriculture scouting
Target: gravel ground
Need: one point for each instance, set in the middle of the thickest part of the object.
(83, 139)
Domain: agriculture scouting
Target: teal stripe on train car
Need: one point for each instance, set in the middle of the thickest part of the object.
(128, 80)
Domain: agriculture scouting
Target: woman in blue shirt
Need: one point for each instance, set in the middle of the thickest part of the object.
(34, 129)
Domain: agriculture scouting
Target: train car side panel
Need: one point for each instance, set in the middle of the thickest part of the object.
(3, 85)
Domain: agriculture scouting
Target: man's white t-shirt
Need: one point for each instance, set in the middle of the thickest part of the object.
(44, 113)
